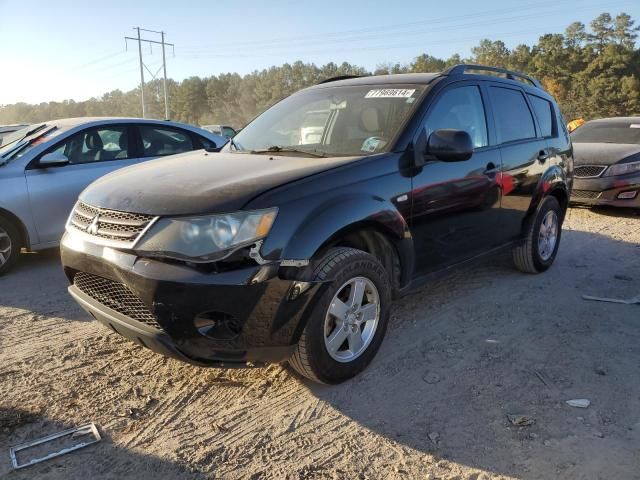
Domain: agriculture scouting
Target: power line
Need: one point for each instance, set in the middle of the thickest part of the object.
(143, 66)
(276, 51)
(374, 32)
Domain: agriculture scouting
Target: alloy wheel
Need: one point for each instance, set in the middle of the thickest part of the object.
(352, 319)
(548, 235)
(5, 246)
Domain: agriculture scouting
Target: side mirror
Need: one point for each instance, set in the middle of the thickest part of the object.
(210, 145)
(450, 145)
(53, 159)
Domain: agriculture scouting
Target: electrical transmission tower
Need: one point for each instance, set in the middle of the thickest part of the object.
(143, 66)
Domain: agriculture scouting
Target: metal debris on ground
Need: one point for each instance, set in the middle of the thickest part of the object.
(521, 420)
(631, 301)
(579, 403)
(58, 439)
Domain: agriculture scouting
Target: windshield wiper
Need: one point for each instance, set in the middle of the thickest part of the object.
(27, 134)
(278, 149)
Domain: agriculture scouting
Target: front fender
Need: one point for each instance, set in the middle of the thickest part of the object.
(333, 217)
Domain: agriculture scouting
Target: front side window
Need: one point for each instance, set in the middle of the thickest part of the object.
(460, 109)
(159, 141)
(332, 121)
(544, 114)
(96, 145)
(512, 115)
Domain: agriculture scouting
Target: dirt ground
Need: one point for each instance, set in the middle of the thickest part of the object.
(460, 355)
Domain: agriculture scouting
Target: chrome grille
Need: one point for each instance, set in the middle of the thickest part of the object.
(588, 171)
(121, 227)
(584, 194)
(115, 296)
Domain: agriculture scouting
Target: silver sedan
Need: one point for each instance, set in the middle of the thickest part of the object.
(44, 167)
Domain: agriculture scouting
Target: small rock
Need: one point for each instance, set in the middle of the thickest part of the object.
(434, 436)
(601, 371)
(521, 420)
(431, 378)
(579, 403)
(546, 443)
(533, 436)
(598, 434)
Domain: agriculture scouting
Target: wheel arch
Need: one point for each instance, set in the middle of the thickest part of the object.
(365, 223)
(21, 227)
(552, 183)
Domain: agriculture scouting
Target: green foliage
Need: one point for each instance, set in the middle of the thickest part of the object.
(592, 73)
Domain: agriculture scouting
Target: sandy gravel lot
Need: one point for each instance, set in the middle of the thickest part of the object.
(460, 355)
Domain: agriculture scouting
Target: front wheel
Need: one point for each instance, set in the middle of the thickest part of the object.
(9, 245)
(542, 238)
(346, 327)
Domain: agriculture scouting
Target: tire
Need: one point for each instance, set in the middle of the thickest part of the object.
(533, 255)
(349, 271)
(10, 244)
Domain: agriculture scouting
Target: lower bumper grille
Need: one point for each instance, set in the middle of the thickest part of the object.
(585, 194)
(115, 296)
(588, 171)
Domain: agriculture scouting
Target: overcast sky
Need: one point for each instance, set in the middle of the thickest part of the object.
(69, 49)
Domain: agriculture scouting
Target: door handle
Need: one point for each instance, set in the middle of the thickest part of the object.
(490, 168)
(543, 155)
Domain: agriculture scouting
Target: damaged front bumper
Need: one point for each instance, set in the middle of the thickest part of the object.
(248, 314)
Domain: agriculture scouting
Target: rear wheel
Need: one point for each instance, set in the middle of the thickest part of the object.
(540, 246)
(9, 245)
(347, 325)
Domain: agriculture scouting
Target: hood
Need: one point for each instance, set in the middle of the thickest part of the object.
(199, 182)
(602, 153)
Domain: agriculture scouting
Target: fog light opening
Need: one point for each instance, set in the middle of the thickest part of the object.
(217, 325)
(628, 195)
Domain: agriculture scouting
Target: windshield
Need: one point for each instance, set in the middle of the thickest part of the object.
(627, 133)
(23, 144)
(332, 121)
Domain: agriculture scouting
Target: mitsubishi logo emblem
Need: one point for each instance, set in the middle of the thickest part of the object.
(92, 229)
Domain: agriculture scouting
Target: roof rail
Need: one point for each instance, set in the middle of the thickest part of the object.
(510, 74)
(339, 77)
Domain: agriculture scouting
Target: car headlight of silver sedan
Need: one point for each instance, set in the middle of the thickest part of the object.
(622, 169)
(206, 238)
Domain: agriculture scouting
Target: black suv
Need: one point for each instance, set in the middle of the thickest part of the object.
(291, 243)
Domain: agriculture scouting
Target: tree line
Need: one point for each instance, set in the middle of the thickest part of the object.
(591, 71)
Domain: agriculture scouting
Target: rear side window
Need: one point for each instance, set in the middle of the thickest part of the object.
(544, 114)
(159, 141)
(512, 115)
(460, 109)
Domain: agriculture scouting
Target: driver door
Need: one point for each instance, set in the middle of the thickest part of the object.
(456, 205)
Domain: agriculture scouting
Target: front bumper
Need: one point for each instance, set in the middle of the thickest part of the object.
(605, 191)
(269, 312)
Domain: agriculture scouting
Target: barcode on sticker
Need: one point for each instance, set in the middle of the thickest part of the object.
(390, 93)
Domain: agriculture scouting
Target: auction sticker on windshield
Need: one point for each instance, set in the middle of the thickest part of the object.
(390, 93)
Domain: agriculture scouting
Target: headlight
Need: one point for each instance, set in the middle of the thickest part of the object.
(207, 238)
(622, 169)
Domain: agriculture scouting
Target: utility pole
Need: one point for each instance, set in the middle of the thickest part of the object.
(143, 66)
(164, 82)
(141, 73)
